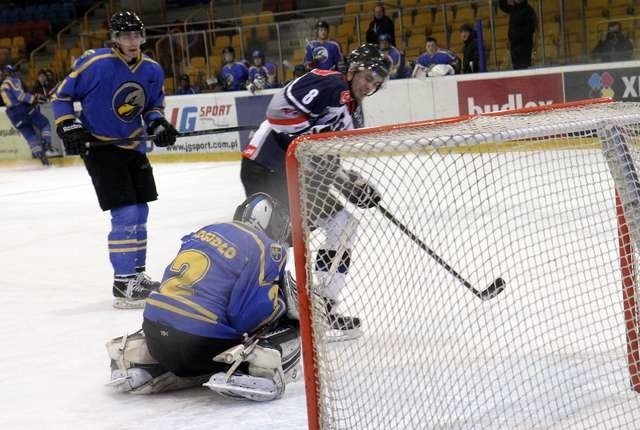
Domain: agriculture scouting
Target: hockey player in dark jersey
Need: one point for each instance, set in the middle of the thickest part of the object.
(121, 92)
(322, 52)
(317, 102)
(225, 294)
(23, 112)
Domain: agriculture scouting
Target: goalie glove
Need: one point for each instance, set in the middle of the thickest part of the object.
(357, 190)
(165, 133)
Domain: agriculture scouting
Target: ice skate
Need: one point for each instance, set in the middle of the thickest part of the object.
(342, 327)
(130, 292)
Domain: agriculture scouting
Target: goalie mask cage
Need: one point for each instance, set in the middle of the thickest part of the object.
(528, 196)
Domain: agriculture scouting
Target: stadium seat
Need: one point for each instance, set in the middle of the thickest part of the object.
(5, 43)
(19, 43)
(169, 87)
(198, 62)
(265, 17)
(422, 19)
(351, 8)
(248, 19)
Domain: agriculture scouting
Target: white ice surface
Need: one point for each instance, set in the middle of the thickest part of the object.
(56, 312)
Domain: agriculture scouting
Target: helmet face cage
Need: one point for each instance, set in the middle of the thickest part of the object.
(369, 57)
(124, 21)
(262, 212)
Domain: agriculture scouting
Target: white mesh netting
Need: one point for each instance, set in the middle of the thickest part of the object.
(525, 197)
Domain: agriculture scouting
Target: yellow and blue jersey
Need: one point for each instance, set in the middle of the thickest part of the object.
(221, 284)
(13, 94)
(115, 96)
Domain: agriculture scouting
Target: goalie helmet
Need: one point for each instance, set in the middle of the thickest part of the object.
(126, 20)
(263, 212)
(369, 57)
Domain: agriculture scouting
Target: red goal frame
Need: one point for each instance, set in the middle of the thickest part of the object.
(626, 254)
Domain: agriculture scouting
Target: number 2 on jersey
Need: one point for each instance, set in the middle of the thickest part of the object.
(189, 267)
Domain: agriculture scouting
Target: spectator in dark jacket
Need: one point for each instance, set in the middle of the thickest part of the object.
(522, 26)
(615, 46)
(381, 24)
(471, 54)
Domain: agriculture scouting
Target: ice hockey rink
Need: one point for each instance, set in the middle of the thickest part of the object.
(57, 314)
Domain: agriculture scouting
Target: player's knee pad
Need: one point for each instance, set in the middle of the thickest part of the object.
(340, 229)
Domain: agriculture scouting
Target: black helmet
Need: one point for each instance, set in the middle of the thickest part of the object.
(228, 49)
(125, 20)
(322, 24)
(369, 57)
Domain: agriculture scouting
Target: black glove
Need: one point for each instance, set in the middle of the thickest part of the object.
(39, 99)
(358, 191)
(165, 134)
(74, 137)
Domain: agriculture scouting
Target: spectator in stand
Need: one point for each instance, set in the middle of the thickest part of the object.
(262, 73)
(616, 45)
(43, 86)
(471, 53)
(185, 87)
(324, 53)
(234, 74)
(397, 70)
(448, 63)
(522, 26)
(381, 24)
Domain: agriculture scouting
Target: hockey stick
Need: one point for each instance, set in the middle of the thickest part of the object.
(495, 288)
(99, 143)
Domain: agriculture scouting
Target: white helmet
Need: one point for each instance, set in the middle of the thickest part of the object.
(263, 212)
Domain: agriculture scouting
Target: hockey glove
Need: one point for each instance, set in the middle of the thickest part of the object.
(39, 99)
(358, 191)
(74, 137)
(165, 134)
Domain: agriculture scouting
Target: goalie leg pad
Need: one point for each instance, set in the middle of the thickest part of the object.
(264, 381)
(130, 349)
(286, 338)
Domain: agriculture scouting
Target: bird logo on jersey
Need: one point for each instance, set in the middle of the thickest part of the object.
(128, 101)
(320, 54)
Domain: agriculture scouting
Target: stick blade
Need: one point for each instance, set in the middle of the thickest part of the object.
(495, 288)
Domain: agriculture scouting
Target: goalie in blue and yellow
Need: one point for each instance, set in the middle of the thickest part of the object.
(122, 96)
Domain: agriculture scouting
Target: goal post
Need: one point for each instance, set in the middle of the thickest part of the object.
(488, 277)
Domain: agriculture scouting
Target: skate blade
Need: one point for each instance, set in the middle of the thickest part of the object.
(343, 335)
(118, 381)
(235, 392)
(124, 303)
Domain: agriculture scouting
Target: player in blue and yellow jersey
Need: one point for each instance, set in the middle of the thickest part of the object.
(23, 112)
(397, 58)
(226, 284)
(317, 102)
(234, 74)
(121, 93)
(322, 52)
(434, 56)
(262, 74)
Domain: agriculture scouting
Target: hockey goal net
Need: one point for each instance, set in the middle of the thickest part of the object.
(525, 196)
